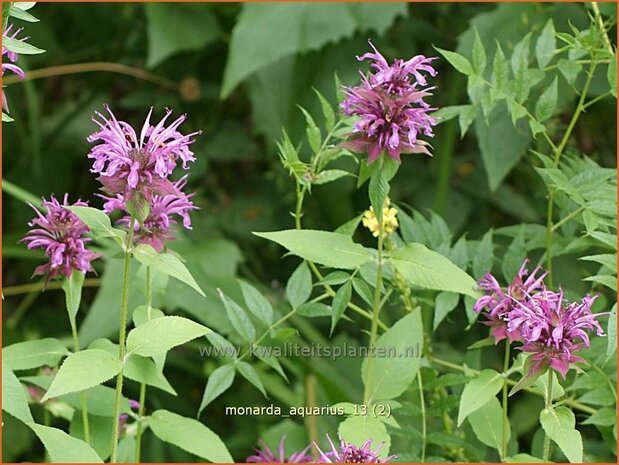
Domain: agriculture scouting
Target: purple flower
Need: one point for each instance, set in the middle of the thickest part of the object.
(498, 303)
(265, 455)
(350, 453)
(158, 225)
(552, 330)
(128, 164)
(12, 58)
(390, 107)
(62, 236)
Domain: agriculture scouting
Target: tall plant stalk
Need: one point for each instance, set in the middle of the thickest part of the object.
(548, 406)
(141, 409)
(83, 401)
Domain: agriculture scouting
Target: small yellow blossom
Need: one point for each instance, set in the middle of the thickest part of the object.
(390, 220)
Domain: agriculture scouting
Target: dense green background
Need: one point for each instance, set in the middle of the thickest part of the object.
(238, 71)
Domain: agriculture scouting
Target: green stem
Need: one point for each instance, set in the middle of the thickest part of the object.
(548, 406)
(600, 22)
(141, 409)
(83, 402)
(124, 303)
(422, 404)
(267, 332)
(505, 395)
(567, 218)
(375, 312)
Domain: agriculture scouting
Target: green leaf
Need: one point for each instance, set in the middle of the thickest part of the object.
(181, 27)
(484, 256)
(396, 359)
(602, 417)
(162, 334)
(21, 47)
(100, 433)
(325, 248)
(257, 303)
(340, 302)
(299, 286)
(445, 302)
(13, 396)
(523, 458)
(479, 55)
(72, 287)
(17, 12)
(83, 370)
(33, 354)
(327, 111)
(145, 370)
(546, 44)
(500, 69)
(514, 256)
(547, 103)
(570, 70)
(559, 424)
(166, 263)
(487, 423)
(313, 131)
(249, 373)
(265, 33)
(99, 223)
(520, 57)
(425, 268)
(478, 392)
(466, 118)
(607, 259)
(605, 279)
(378, 190)
(328, 176)
(457, 61)
(611, 332)
(357, 429)
(612, 76)
(314, 310)
(63, 448)
(190, 435)
(138, 208)
(6, 118)
(218, 382)
(238, 318)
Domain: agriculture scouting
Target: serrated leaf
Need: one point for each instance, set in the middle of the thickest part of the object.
(63, 448)
(487, 423)
(218, 382)
(479, 55)
(558, 423)
(162, 334)
(340, 302)
(445, 302)
(514, 256)
(238, 318)
(357, 429)
(33, 354)
(99, 223)
(257, 303)
(299, 286)
(13, 396)
(611, 332)
(72, 287)
(546, 44)
(500, 69)
(484, 256)
(466, 117)
(570, 70)
(478, 392)
(547, 103)
(327, 176)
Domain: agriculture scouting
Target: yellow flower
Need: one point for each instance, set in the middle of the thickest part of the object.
(390, 220)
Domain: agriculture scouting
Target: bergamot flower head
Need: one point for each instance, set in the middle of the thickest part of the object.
(265, 455)
(347, 452)
(389, 220)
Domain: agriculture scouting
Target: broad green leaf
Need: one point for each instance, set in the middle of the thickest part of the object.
(314, 310)
(357, 429)
(514, 256)
(166, 263)
(523, 458)
(547, 103)
(445, 302)
(99, 223)
(558, 179)
(145, 370)
(466, 118)
(180, 27)
(559, 424)
(378, 190)
(602, 417)
(325, 248)
(341, 300)
(400, 347)
(265, 33)
(425, 268)
(520, 57)
(190, 435)
(33, 354)
(250, 374)
(479, 55)
(257, 303)
(238, 318)
(83, 370)
(546, 44)
(13, 396)
(162, 334)
(143, 314)
(487, 423)
(72, 287)
(607, 259)
(218, 382)
(328, 176)
(299, 286)
(100, 433)
(457, 61)
(63, 448)
(611, 332)
(478, 392)
(605, 279)
(484, 256)
(569, 69)
(21, 47)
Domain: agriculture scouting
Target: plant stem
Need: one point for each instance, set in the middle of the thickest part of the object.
(124, 303)
(312, 425)
(267, 332)
(141, 409)
(565, 219)
(375, 312)
(40, 286)
(600, 22)
(83, 402)
(422, 404)
(548, 406)
(505, 418)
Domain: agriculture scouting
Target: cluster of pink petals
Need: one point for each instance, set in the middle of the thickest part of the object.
(265, 455)
(390, 107)
(11, 58)
(347, 452)
(62, 236)
(550, 329)
(128, 163)
(157, 228)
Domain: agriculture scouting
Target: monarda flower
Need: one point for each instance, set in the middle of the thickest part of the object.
(265, 455)
(553, 330)
(498, 303)
(390, 107)
(157, 227)
(350, 453)
(62, 235)
(8, 60)
(130, 165)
